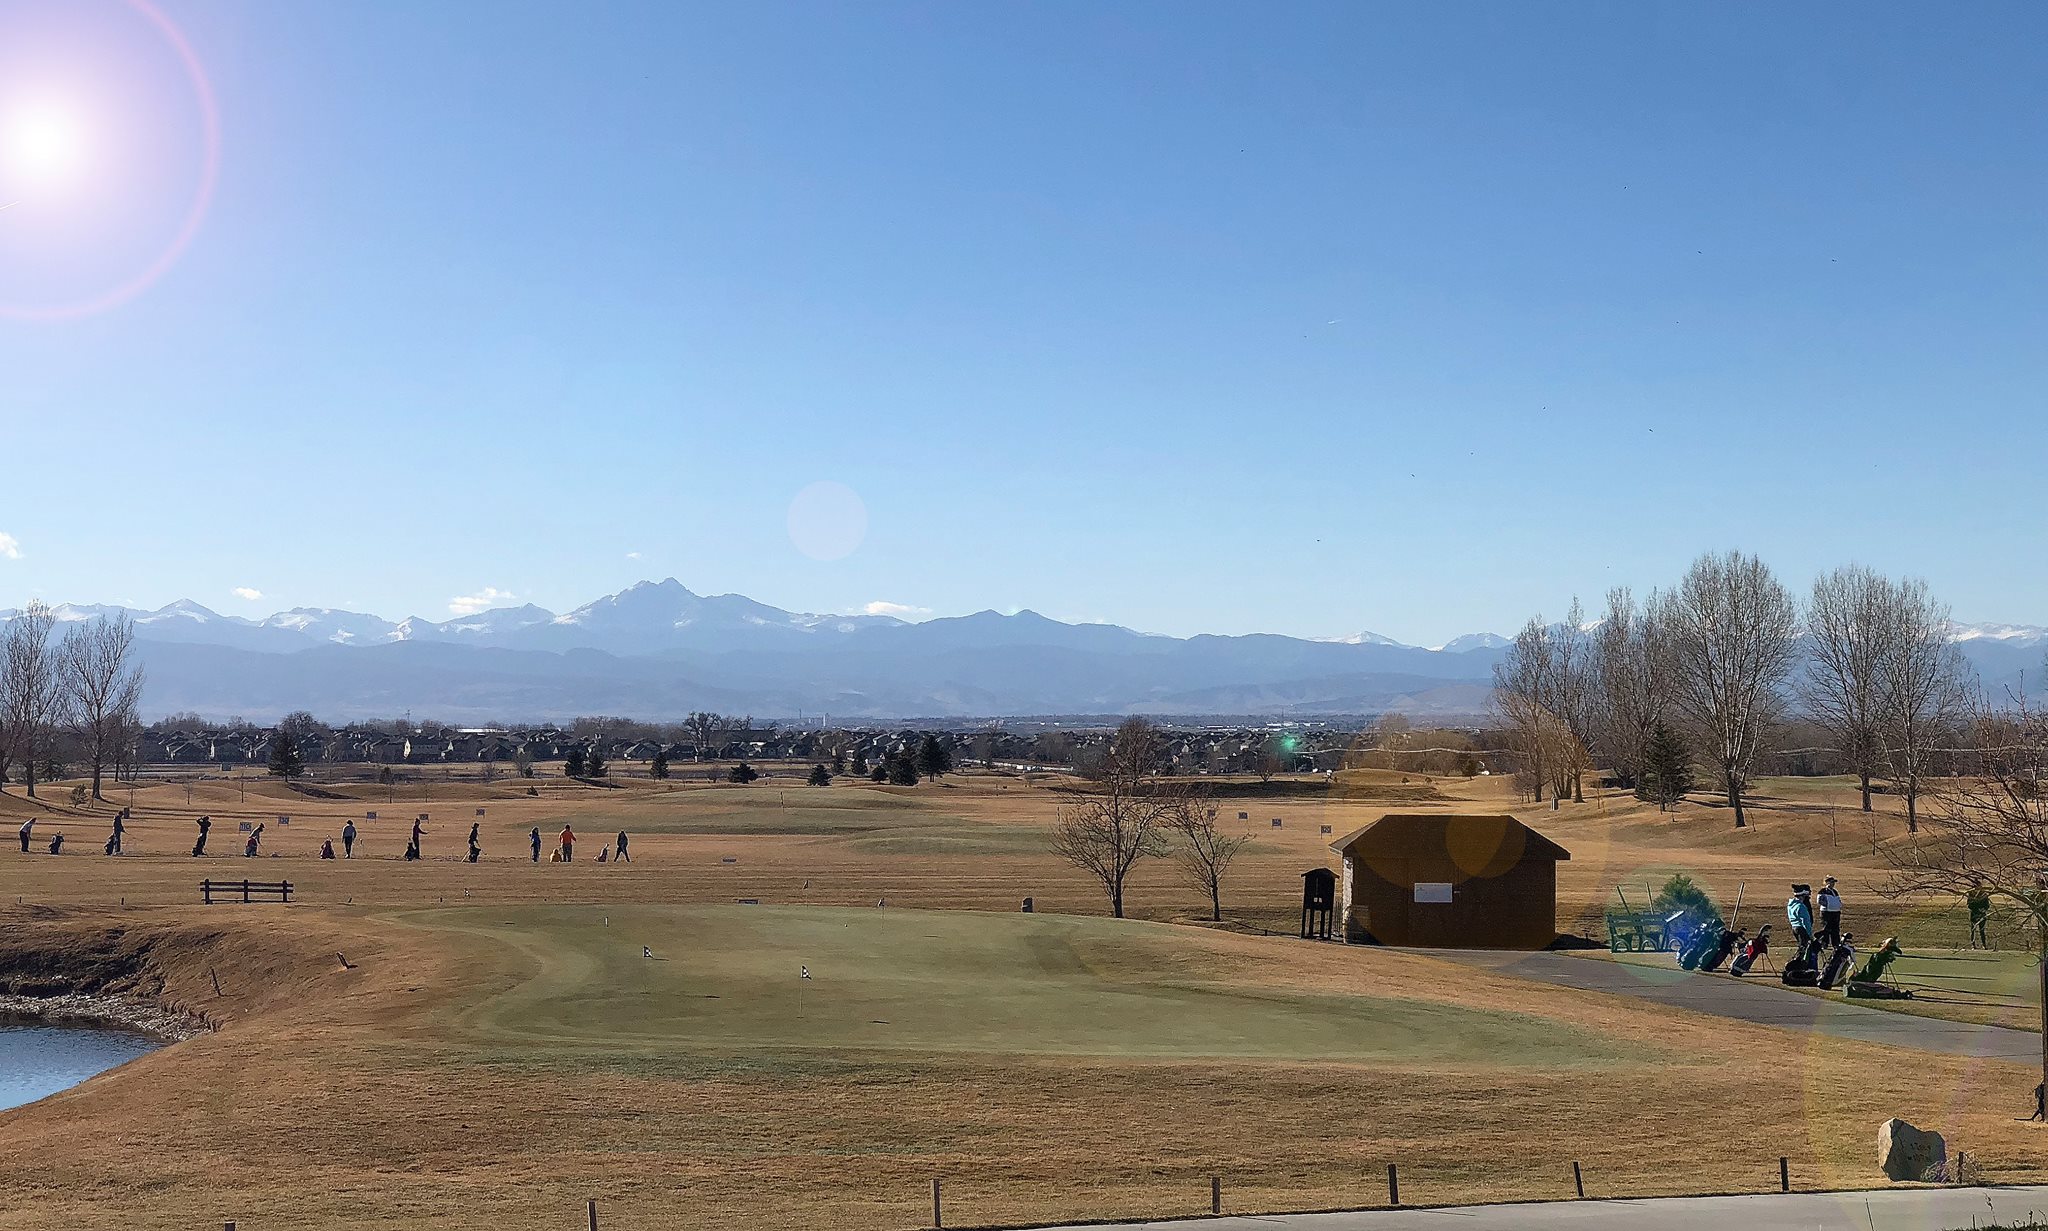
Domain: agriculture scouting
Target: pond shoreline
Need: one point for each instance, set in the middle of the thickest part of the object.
(86, 1009)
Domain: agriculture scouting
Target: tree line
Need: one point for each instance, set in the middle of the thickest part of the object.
(1702, 677)
(83, 687)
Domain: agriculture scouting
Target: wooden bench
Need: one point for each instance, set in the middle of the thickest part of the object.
(281, 890)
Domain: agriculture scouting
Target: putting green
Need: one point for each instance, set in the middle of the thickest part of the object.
(728, 981)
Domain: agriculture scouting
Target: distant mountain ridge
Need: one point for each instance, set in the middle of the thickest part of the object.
(658, 650)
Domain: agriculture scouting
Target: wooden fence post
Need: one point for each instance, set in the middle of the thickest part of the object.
(1215, 1194)
(1393, 1186)
(1784, 1174)
(593, 1214)
(938, 1214)
(1578, 1179)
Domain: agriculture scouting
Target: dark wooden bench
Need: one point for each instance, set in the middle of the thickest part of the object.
(281, 890)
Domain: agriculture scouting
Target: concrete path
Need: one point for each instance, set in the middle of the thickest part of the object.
(1923, 1209)
(1763, 1001)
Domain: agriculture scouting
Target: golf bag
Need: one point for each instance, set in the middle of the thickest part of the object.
(1750, 953)
(1803, 970)
(1838, 965)
(1703, 942)
(1724, 950)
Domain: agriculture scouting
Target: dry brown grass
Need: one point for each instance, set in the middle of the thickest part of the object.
(357, 1098)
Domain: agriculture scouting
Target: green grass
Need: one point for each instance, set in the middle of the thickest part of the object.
(726, 988)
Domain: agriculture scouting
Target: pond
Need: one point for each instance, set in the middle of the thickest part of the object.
(38, 1059)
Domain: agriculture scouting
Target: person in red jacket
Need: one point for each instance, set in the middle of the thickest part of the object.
(568, 843)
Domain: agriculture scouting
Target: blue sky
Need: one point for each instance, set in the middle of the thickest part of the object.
(1304, 318)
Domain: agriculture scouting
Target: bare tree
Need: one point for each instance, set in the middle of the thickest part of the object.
(1843, 688)
(1542, 696)
(1521, 705)
(1631, 670)
(702, 725)
(1205, 852)
(1268, 757)
(1731, 628)
(986, 741)
(29, 694)
(1988, 829)
(1925, 690)
(1121, 816)
(1575, 689)
(100, 688)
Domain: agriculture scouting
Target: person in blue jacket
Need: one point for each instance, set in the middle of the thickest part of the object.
(1799, 914)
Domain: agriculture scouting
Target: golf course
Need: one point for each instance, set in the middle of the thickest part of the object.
(802, 1006)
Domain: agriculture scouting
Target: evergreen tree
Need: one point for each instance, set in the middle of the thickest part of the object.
(1667, 768)
(593, 762)
(839, 761)
(572, 763)
(285, 761)
(879, 774)
(902, 770)
(934, 757)
(860, 762)
(1681, 893)
(660, 766)
(820, 776)
(742, 773)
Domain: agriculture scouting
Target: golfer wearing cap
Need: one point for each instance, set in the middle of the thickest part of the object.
(1830, 914)
(1799, 914)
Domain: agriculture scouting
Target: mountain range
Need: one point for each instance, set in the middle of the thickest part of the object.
(657, 650)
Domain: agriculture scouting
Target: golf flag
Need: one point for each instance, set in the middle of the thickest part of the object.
(806, 971)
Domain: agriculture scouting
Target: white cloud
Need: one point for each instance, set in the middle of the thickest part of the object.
(632, 555)
(10, 548)
(247, 594)
(901, 611)
(482, 600)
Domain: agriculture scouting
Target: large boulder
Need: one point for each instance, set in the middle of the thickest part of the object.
(1908, 1153)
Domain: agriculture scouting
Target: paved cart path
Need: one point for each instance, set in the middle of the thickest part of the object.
(1763, 1001)
(1922, 1209)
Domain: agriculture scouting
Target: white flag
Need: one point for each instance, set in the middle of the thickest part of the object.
(646, 952)
(806, 970)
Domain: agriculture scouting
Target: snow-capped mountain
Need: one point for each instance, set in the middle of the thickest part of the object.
(658, 650)
(2010, 634)
(1475, 641)
(662, 615)
(1361, 638)
(329, 624)
(495, 626)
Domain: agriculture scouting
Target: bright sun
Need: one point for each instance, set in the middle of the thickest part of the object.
(41, 146)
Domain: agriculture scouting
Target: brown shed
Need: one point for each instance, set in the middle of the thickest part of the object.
(1449, 882)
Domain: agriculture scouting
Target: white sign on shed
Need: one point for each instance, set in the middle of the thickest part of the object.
(1437, 892)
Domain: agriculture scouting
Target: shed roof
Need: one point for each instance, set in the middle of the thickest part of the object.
(1400, 833)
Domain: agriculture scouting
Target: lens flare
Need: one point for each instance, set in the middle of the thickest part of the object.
(50, 148)
(827, 521)
(43, 146)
